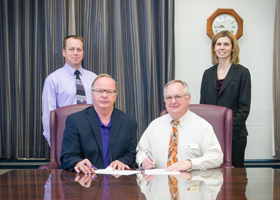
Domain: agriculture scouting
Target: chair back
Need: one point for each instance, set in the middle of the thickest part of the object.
(221, 120)
(57, 126)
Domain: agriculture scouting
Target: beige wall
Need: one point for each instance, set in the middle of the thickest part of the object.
(192, 57)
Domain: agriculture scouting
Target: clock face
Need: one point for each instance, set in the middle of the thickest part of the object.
(224, 22)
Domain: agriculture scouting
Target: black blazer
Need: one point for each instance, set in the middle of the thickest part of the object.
(82, 139)
(235, 94)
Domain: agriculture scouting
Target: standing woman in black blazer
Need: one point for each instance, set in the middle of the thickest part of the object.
(228, 84)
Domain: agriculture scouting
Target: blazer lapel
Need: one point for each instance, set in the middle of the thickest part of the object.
(115, 127)
(231, 73)
(93, 121)
(213, 77)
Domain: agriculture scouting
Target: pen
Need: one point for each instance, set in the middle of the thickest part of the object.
(150, 158)
(95, 168)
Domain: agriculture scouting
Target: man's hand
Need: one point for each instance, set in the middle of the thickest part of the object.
(85, 166)
(148, 164)
(85, 181)
(180, 166)
(119, 165)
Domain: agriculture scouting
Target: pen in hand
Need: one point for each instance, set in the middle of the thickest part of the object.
(93, 167)
(150, 159)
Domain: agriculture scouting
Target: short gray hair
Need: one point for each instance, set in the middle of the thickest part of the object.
(104, 75)
(186, 87)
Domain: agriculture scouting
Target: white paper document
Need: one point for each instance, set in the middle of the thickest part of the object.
(109, 170)
(159, 172)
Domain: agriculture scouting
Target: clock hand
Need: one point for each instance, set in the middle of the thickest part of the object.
(221, 26)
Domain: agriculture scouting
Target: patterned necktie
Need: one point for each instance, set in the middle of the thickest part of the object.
(173, 145)
(81, 95)
(173, 158)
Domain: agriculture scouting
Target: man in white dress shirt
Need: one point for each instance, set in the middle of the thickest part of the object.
(198, 147)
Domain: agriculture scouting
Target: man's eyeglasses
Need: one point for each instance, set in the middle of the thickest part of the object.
(101, 91)
(177, 97)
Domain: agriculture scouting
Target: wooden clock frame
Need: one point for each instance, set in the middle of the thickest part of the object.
(219, 11)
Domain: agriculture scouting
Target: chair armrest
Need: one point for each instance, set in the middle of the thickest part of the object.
(51, 165)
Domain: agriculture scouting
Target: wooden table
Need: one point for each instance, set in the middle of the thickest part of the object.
(236, 183)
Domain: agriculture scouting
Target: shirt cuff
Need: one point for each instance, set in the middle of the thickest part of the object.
(195, 163)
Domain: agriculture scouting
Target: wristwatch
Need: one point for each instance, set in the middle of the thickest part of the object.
(189, 161)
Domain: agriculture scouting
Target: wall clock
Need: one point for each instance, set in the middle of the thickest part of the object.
(224, 19)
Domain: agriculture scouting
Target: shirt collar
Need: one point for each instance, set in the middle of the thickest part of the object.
(102, 125)
(71, 70)
(183, 120)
